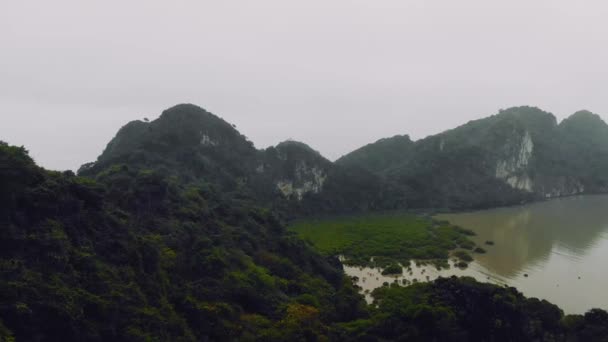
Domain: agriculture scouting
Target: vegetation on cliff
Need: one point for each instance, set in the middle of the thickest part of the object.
(520, 154)
(194, 145)
(133, 254)
(167, 238)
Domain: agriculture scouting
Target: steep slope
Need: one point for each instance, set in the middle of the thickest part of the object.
(584, 147)
(483, 163)
(381, 155)
(293, 169)
(199, 146)
(517, 155)
(185, 139)
(309, 184)
(135, 255)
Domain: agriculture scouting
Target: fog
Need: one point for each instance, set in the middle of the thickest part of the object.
(334, 74)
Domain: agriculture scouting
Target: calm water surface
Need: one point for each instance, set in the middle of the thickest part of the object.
(554, 242)
(562, 245)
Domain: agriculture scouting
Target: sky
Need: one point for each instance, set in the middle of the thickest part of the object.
(334, 74)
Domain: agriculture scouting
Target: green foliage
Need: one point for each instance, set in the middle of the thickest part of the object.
(5, 334)
(464, 256)
(381, 155)
(168, 236)
(388, 238)
(139, 254)
(461, 264)
(392, 269)
(462, 309)
(190, 144)
(457, 168)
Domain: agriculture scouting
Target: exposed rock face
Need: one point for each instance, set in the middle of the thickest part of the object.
(565, 188)
(207, 141)
(298, 170)
(196, 146)
(517, 155)
(513, 169)
(307, 180)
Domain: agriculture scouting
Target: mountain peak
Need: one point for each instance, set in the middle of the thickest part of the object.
(185, 111)
(585, 124)
(295, 149)
(380, 154)
(585, 115)
(295, 145)
(181, 129)
(523, 110)
(529, 115)
(182, 107)
(190, 117)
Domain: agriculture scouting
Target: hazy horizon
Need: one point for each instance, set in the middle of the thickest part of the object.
(334, 75)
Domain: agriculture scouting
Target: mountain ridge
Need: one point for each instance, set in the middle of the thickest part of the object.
(517, 155)
(290, 176)
(173, 235)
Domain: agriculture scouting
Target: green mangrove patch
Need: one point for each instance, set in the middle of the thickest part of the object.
(384, 239)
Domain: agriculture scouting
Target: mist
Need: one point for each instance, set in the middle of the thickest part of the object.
(335, 75)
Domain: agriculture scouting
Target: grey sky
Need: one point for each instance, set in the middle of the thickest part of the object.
(334, 74)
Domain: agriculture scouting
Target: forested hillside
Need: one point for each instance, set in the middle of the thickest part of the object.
(190, 143)
(520, 154)
(173, 235)
(381, 155)
(133, 255)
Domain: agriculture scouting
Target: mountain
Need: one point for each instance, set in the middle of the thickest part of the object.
(172, 235)
(381, 155)
(191, 143)
(134, 255)
(585, 143)
(520, 154)
(185, 139)
(137, 255)
(517, 155)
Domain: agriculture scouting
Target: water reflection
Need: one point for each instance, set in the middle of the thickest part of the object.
(562, 245)
(554, 250)
(526, 236)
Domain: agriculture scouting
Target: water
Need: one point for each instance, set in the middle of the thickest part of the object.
(370, 278)
(561, 245)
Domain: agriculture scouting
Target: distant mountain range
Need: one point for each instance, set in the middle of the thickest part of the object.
(520, 154)
(290, 176)
(175, 234)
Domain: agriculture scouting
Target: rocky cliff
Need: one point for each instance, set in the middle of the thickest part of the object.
(519, 154)
(516, 155)
(203, 147)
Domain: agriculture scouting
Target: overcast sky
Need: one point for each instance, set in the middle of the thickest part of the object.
(336, 74)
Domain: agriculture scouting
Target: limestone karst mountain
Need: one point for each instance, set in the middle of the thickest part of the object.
(172, 234)
(194, 144)
(519, 154)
